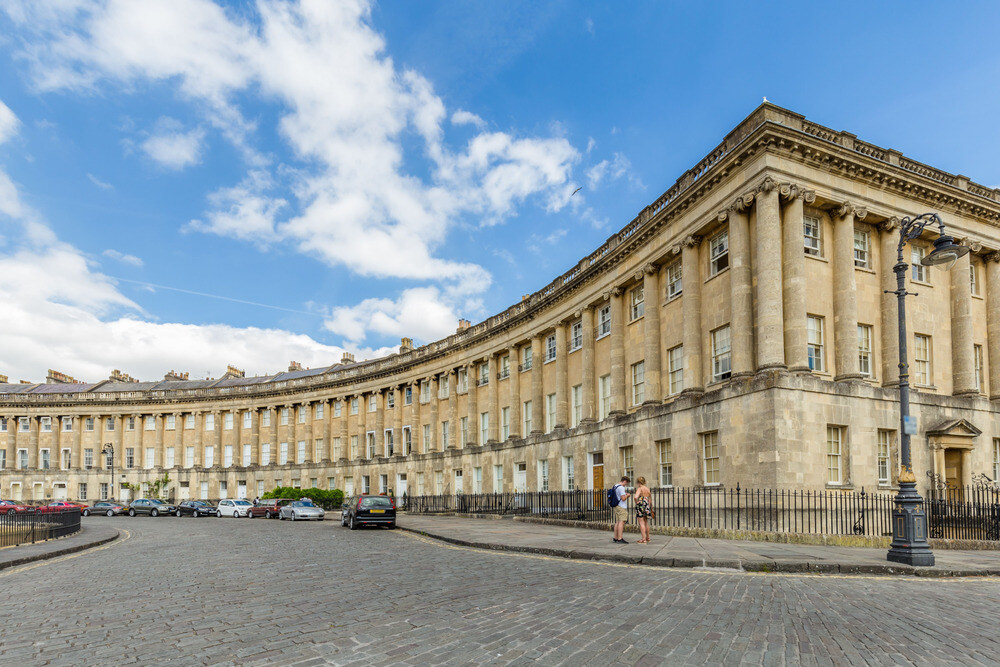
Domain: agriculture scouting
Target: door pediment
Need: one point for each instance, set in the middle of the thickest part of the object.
(959, 433)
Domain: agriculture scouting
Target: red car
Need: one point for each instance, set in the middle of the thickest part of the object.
(60, 506)
(268, 508)
(14, 507)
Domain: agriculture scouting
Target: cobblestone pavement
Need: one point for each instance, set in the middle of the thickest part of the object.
(223, 591)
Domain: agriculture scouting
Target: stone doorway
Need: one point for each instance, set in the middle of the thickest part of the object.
(951, 446)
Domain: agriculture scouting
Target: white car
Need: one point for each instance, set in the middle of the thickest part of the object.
(235, 508)
(301, 509)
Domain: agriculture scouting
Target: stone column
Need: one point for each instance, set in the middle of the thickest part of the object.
(845, 292)
(274, 434)
(514, 391)
(473, 404)
(416, 428)
(34, 457)
(991, 263)
(453, 437)
(889, 326)
(255, 437)
(363, 426)
(537, 389)
(159, 450)
(963, 361)
(179, 440)
(308, 436)
(198, 440)
(397, 420)
(694, 379)
(345, 433)
(589, 412)
(793, 277)
(562, 377)
(380, 423)
(218, 456)
(494, 398)
(618, 402)
(770, 320)
(651, 333)
(435, 422)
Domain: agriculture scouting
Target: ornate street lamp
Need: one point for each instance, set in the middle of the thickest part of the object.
(909, 521)
(109, 455)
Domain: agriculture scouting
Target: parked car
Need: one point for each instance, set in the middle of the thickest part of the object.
(105, 507)
(234, 508)
(196, 508)
(150, 506)
(368, 511)
(268, 507)
(14, 507)
(60, 506)
(301, 509)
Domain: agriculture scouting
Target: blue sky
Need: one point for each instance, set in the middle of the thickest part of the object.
(189, 184)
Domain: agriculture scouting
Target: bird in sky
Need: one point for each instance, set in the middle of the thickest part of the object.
(577, 190)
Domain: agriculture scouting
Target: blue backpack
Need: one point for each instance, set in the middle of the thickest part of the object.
(613, 496)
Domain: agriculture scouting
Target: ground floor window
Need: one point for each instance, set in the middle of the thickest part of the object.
(666, 463)
(710, 457)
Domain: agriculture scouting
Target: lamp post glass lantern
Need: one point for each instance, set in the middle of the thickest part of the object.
(909, 521)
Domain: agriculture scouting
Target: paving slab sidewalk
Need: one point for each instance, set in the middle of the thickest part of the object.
(667, 551)
(87, 537)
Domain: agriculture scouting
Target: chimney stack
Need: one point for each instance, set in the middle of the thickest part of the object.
(55, 377)
(234, 372)
(118, 376)
(406, 345)
(293, 366)
(347, 358)
(173, 376)
(463, 324)
(3, 379)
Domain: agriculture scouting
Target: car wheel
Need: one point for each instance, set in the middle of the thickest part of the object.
(267, 515)
(177, 513)
(352, 524)
(85, 512)
(111, 512)
(154, 512)
(195, 514)
(249, 514)
(236, 514)
(9, 512)
(131, 512)
(343, 521)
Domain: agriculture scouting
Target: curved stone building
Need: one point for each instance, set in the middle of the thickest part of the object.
(736, 331)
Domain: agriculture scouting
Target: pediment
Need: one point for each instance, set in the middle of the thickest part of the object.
(955, 427)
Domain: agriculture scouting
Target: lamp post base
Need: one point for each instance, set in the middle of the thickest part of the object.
(909, 529)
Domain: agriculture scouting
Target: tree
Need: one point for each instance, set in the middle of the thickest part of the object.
(328, 500)
(157, 488)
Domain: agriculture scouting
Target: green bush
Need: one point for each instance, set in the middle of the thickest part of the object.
(327, 499)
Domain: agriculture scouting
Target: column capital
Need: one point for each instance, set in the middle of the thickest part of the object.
(792, 191)
(651, 268)
(848, 208)
(992, 256)
(766, 186)
(691, 241)
(974, 246)
(889, 224)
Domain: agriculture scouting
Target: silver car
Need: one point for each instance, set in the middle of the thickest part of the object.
(301, 509)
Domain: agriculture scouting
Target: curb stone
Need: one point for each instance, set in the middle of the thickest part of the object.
(59, 552)
(761, 566)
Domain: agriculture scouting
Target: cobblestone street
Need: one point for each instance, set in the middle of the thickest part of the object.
(221, 591)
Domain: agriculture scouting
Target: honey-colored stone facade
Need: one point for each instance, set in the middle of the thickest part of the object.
(719, 331)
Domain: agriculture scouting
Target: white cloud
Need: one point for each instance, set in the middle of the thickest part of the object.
(99, 183)
(124, 258)
(346, 110)
(420, 313)
(463, 117)
(8, 123)
(617, 168)
(172, 147)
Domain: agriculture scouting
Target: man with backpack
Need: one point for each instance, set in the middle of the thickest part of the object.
(618, 500)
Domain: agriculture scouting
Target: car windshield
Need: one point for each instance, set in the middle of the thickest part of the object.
(242, 503)
(156, 502)
(303, 503)
(376, 501)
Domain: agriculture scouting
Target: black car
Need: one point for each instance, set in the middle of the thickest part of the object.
(368, 511)
(196, 508)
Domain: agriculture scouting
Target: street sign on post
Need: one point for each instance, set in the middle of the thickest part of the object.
(910, 425)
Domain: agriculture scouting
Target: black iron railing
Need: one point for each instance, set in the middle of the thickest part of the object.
(964, 514)
(24, 528)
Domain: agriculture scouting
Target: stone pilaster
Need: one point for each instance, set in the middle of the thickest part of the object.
(345, 432)
(651, 333)
(380, 423)
(77, 444)
(617, 357)
(199, 438)
(34, 457)
(889, 328)
(537, 395)
(845, 292)
(770, 319)
(587, 366)
(694, 381)
(435, 422)
(416, 429)
(514, 391)
(363, 423)
(255, 437)
(494, 399)
(793, 277)
(453, 436)
(397, 420)
(159, 449)
(311, 454)
(562, 376)
(473, 404)
(962, 356)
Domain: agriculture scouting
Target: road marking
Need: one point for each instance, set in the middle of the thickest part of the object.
(59, 559)
(691, 570)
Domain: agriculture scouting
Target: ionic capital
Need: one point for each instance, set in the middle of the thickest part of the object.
(848, 208)
(793, 191)
(974, 246)
(650, 268)
(691, 241)
(767, 185)
(616, 291)
(889, 224)
(993, 256)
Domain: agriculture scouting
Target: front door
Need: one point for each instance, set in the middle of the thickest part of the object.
(597, 477)
(59, 492)
(400, 485)
(521, 478)
(953, 473)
